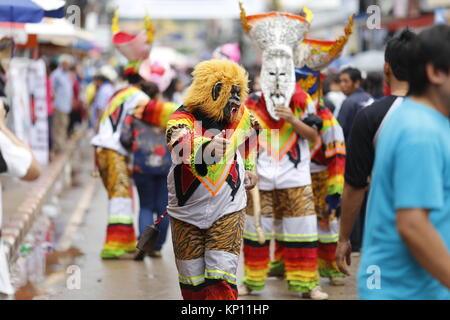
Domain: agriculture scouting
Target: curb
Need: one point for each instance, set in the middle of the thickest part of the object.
(21, 221)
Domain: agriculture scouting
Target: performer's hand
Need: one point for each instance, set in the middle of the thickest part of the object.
(251, 179)
(285, 113)
(216, 148)
(343, 256)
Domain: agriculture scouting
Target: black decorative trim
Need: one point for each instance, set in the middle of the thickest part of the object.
(234, 185)
(178, 175)
(115, 124)
(295, 155)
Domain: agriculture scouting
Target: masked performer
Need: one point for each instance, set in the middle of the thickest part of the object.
(111, 157)
(283, 164)
(328, 152)
(209, 137)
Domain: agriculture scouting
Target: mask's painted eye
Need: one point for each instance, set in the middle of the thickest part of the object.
(216, 91)
(282, 74)
(272, 73)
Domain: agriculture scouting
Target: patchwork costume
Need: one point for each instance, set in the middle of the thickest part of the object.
(287, 206)
(328, 153)
(111, 157)
(283, 163)
(207, 199)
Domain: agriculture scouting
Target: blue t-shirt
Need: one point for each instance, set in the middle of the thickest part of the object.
(412, 170)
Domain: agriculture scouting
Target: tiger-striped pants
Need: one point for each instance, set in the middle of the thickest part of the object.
(290, 213)
(120, 236)
(207, 259)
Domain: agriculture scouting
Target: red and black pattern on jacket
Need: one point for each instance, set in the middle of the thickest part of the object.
(186, 183)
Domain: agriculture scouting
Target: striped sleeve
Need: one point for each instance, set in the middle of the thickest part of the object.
(184, 142)
(156, 113)
(333, 141)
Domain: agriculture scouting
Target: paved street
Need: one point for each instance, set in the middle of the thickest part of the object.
(80, 234)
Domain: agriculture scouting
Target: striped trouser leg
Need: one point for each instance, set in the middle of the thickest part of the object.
(328, 238)
(328, 228)
(295, 227)
(222, 248)
(257, 255)
(207, 259)
(120, 236)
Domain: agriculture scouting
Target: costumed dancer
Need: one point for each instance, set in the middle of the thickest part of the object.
(210, 140)
(328, 152)
(283, 165)
(111, 157)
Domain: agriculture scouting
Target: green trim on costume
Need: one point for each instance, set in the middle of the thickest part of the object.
(122, 219)
(249, 165)
(301, 286)
(254, 285)
(276, 268)
(254, 236)
(113, 254)
(191, 280)
(231, 278)
(330, 273)
(198, 143)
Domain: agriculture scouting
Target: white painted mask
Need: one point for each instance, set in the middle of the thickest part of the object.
(277, 34)
(277, 78)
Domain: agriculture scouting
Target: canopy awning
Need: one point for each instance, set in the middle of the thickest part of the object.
(23, 11)
(57, 31)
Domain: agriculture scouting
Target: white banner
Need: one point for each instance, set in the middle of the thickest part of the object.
(39, 117)
(27, 92)
(18, 95)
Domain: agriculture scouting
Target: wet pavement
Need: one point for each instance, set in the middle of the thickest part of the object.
(75, 270)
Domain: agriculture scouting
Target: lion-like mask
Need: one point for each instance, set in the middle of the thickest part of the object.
(218, 89)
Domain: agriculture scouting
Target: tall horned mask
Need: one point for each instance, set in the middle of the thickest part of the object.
(134, 47)
(318, 54)
(313, 55)
(277, 35)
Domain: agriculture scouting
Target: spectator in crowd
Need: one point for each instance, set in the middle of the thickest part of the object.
(333, 96)
(63, 90)
(350, 80)
(373, 85)
(17, 160)
(104, 91)
(174, 91)
(151, 165)
(50, 106)
(2, 81)
(361, 150)
(76, 114)
(406, 248)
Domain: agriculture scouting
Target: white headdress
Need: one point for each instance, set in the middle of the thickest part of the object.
(277, 34)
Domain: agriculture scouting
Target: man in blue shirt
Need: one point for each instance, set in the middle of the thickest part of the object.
(63, 94)
(405, 252)
(350, 80)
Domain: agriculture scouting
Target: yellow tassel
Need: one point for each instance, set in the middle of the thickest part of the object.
(244, 22)
(149, 28)
(115, 22)
(341, 42)
(308, 14)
